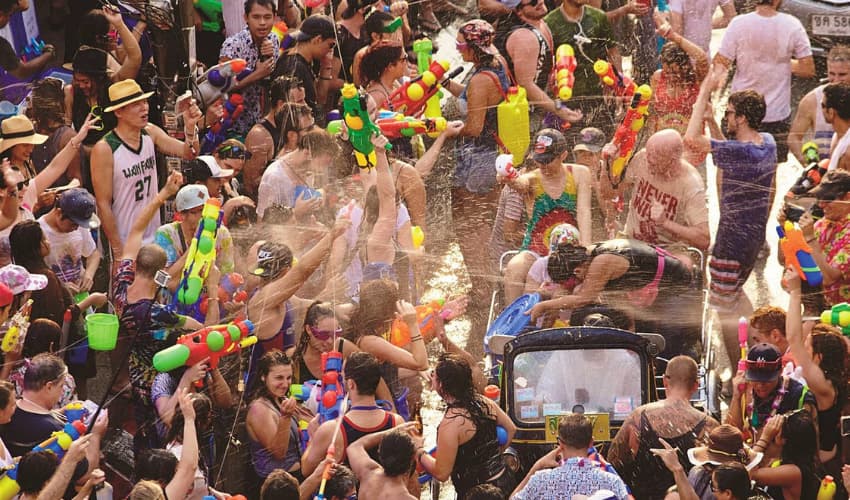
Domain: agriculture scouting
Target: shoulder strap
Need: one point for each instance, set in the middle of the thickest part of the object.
(496, 80)
(802, 396)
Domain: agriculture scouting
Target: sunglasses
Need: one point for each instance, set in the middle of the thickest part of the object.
(461, 45)
(325, 334)
(532, 3)
(19, 186)
(234, 151)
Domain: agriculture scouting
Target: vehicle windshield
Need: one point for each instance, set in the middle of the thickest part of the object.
(576, 380)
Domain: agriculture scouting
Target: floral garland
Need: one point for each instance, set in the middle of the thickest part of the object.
(751, 417)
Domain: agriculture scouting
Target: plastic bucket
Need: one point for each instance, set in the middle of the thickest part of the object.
(102, 331)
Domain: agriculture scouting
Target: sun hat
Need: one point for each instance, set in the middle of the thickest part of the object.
(191, 196)
(725, 444)
(89, 61)
(79, 205)
(123, 93)
(16, 130)
(19, 280)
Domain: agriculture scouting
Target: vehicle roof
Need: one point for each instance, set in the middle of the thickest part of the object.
(579, 336)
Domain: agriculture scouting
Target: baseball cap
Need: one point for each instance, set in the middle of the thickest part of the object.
(205, 167)
(19, 280)
(548, 145)
(79, 205)
(191, 196)
(355, 5)
(764, 363)
(834, 185)
(271, 258)
(313, 26)
(563, 234)
(590, 139)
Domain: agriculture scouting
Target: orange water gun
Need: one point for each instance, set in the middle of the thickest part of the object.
(625, 137)
(425, 316)
(395, 125)
(411, 98)
(798, 253)
(622, 85)
(565, 68)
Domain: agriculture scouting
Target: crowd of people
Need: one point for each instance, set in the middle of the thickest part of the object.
(325, 258)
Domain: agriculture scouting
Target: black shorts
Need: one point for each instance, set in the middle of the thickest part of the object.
(779, 131)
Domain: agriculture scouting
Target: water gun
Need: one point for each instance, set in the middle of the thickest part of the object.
(280, 29)
(231, 289)
(625, 137)
(306, 192)
(213, 342)
(418, 236)
(423, 48)
(233, 108)
(565, 67)
(513, 122)
(798, 253)
(395, 125)
(838, 315)
(812, 174)
(302, 392)
(333, 392)
(217, 81)
(743, 335)
(17, 330)
(827, 488)
(425, 316)
(58, 443)
(33, 50)
(622, 85)
(201, 254)
(74, 411)
(411, 97)
(360, 126)
(424, 477)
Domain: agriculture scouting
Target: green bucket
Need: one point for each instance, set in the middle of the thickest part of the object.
(102, 331)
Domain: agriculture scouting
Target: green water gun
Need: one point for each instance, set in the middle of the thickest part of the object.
(360, 126)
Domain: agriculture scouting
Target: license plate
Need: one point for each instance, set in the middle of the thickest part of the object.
(830, 25)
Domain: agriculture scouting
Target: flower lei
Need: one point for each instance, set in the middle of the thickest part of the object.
(751, 417)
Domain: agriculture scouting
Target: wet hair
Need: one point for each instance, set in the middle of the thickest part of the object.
(375, 310)
(833, 353)
(279, 89)
(35, 469)
(155, 465)
(395, 453)
(749, 104)
(25, 240)
(484, 492)
(146, 490)
(377, 59)
(42, 336)
(318, 142)
(7, 393)
(48, 102)
(277, 214)
(317, 311)
(455, 377)
(564, 260)
(94, 29)
(767, 318)
(575, 430)
(43, 368)
(838, 53)
(673, 55)
(800, 448)
(288, 119)
(269, 360)
(371, 211)
(733, 476)
(203, 411)
(249, 4)
(279, 485)
(375, 22)
(342, 481)
(150, 259)
(363, 368)
(837, 97)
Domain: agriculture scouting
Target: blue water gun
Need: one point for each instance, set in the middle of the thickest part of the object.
(33, 50)
(798, 253)
(333, 391)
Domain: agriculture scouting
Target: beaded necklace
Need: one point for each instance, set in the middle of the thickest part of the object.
(751, 417)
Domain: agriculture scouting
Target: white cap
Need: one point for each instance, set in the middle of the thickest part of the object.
(191, 196)
(215, 169)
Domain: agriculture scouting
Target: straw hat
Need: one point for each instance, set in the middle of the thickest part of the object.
(123, 93)
(16, 130)
(725, 444)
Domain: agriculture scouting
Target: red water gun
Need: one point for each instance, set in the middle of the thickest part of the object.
(233, 107)
(565, 68)
(425, 316)
(398, 125)
(213, 342)
(410, 98)
(333, 392)
(626, 135)
(622, 85)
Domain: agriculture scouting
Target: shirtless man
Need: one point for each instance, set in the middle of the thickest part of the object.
(396, 450)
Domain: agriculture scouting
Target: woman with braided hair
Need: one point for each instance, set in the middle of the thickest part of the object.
(467, 444)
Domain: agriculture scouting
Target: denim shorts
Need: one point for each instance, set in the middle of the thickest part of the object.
(476, 168)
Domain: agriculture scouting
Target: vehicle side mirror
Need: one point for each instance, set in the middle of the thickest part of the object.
(657, 343)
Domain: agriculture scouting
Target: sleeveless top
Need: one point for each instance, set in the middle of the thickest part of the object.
(273, 131)
(674, 112)
(489, 134)
(545, 57)
(43, 154)
(478, 459)
(81, 109)
(282, 340)
(135, 182)
(828, 424)
(651, 478)
(351, 432)
(823, 131)
(264, 462)
(643, 265)
(548, 213)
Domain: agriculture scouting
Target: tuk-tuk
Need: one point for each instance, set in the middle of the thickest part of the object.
(604, 373)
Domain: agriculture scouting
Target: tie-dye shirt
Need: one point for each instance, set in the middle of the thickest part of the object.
(168, 237)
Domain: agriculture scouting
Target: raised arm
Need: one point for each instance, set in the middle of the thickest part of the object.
(171, 146)
(59, 163)
(415, 359)
(698, 56)
(60, 479)
(133, 60)
(184, 476)
(379, 245)
(134, 239)
(694, 137)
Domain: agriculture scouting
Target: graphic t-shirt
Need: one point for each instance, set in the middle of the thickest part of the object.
(67, 251)
(134, 183)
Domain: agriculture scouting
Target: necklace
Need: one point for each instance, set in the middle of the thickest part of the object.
(751, 417)
(33, 403)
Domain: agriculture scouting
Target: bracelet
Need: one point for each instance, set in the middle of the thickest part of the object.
(414, 339)
(325, 78)
(75, 145)
(212, 299)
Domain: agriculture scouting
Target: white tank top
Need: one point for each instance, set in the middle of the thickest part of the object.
(840, 149)
(134, 183)
(823, 131)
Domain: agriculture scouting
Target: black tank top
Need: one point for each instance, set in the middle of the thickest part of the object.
(478, 459)
(351, 432)
(828, 424)
(81, 110)
(544, 57)
(274, 132)
(643, 264)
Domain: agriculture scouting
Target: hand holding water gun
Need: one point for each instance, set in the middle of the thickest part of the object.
(813, 172)
(232, 109)
(213, 342)
(622, 85)
(17, 330)
(217, 81)
(396, 125)
(333, 392)
(798, 253)
(838, 315)
(625, 138)
(35, 48)
(565, 67)
(410, 98)
(424, 48)
(201, 253)
(360, 126)
(426, 316)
